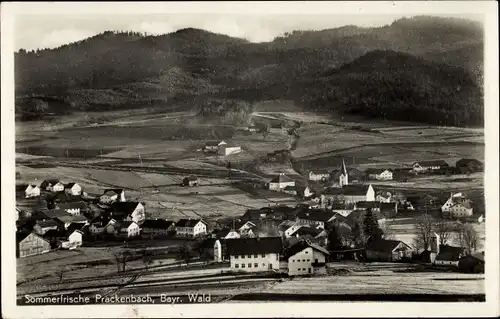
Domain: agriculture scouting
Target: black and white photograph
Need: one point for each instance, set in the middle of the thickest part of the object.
(249, 156)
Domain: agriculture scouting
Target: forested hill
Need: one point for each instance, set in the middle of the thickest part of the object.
(428, 66)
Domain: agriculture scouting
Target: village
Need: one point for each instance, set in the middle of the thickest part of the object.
(341, 215)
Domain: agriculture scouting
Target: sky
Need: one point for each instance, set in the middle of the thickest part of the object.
(49, 31)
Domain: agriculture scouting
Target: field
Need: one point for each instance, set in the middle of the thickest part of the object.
(149, 154)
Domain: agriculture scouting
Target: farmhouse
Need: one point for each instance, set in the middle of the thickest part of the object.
(254, 254)
(190, 181)
(379, 174)
(98, 226)
(278, 156)
(226, 149)
(303, 192)
(130, 211)
(314, 217)
(32, 191)
(112, 195)
(73, 189)
(388, 250)
(455, 198)
(306, 258)
(426, 166)
(459, 210)
(389, 210)
(30, 244)
(74, 240)
(319, 175)
(68, 219)
(55, 237)
(156, 227)
(374, 206)
(449, 255)
(473, 263)
(73, 208)
(213, 146)
(190, 227)
(42, 226)
(252, 128)
(469, 165)
(306, 231)
(128, 229)
(246, 227)
(280, 182)
(49, 184)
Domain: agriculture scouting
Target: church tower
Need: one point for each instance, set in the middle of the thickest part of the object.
(434, 247)
(344, 178)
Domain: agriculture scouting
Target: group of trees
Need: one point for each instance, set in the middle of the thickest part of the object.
(364, 230)
(465, 233)
(335, 70)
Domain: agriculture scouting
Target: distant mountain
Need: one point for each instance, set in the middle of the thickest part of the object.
(122, 69)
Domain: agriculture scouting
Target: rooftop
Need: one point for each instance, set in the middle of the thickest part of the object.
(384, 245)
(282, 178)
(157, 223)
(188, 222)
(250, 246)
(301, 245)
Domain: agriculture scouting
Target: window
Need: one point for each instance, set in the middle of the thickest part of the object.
(242, 256)
(263, 265)
(255, 256)
(307, 252)
(277, 257)
(242, 265)
(249, 265)
(263, 256)
(256, 265)
(308, 260)
(235, 256)
(236, 265)
(249, 256)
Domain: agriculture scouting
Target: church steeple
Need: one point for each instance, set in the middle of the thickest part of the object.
(343, 179)
(344, 170)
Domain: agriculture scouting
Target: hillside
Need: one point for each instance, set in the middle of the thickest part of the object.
(127, 69)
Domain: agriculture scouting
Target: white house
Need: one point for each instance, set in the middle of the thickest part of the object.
(448, 255)
(130, 211)
(254, 254)
(74, 240)
(226, 149)
(379, 174)
(455, 198)
(425, 166)
(315, 217)
(129, 229)
(156, 227)
(213, 146)
(232, 234)
(319, 175)
(73, 208)
(280, 182)
(48, 184)
(246, 227)
(460, 210)
(344, 176)
(306, 258)
(58, 187)
(190, 227)
(292, 229)
(112, 195)
(32, 191)
(73, 189)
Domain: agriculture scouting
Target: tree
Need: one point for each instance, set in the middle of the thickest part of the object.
(266, 128)
(60, 273)
(228, 166)
(147, 258)
(423, 228)
(443, 229)
(185, 253)
(334, 236)
(467, 237)
(370, 229)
